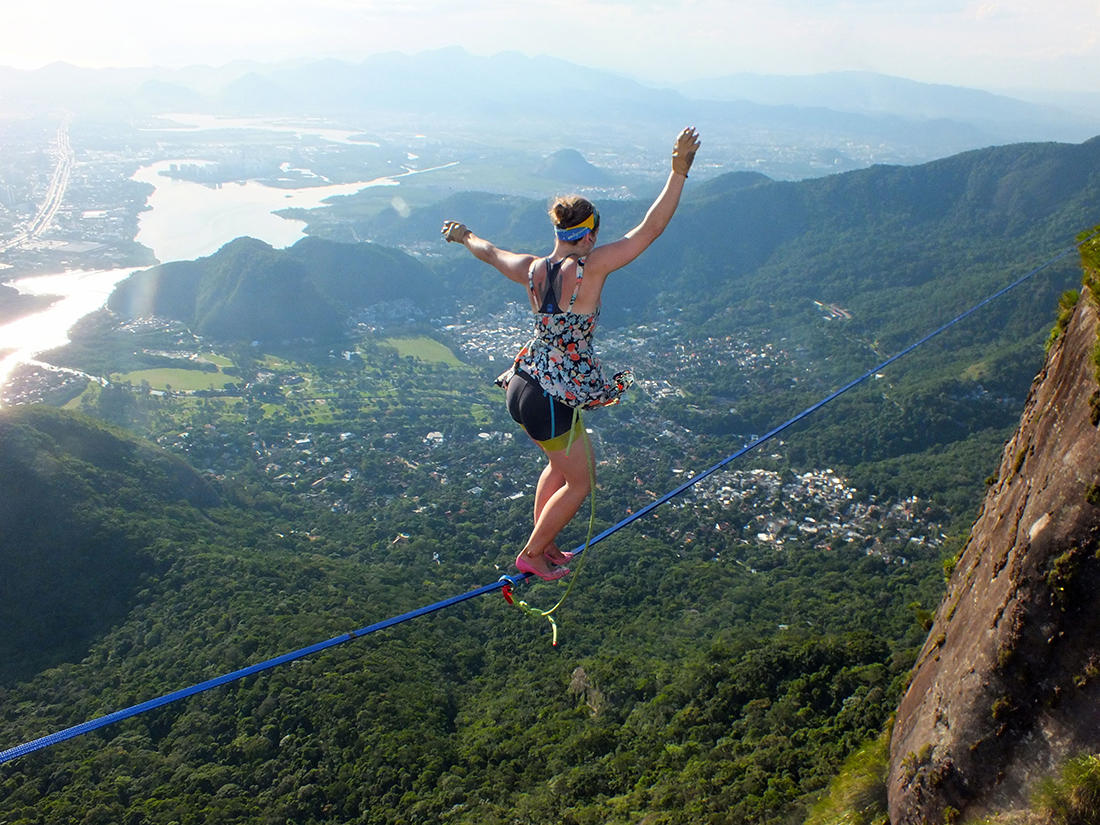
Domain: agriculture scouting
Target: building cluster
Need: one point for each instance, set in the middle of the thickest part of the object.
(67, 209)
(759, 506)
(494, 338)
(772, 507)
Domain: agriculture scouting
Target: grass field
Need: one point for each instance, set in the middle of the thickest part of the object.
(177, 379)
(423, 349)
(218, 361)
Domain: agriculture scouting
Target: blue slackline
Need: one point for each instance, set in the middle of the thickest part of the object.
(169, 698)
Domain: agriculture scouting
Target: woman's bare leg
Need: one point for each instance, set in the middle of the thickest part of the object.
(550, 482)
(559, 504)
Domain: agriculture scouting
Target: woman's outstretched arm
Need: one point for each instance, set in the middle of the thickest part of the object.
(513, 265)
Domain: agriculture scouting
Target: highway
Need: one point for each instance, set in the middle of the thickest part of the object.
(55, 193)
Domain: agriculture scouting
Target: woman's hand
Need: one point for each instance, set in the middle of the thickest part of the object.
(683, 155)
(454, 232)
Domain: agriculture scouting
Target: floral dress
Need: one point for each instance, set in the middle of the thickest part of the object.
(561, 357)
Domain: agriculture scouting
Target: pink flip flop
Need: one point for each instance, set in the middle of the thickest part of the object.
(525, 566)
(557, 556)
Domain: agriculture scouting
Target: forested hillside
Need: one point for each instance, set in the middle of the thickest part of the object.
(900, 248)
(247, 290)
(80, 506)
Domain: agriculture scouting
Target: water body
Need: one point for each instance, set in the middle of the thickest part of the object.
(188, 220)
(82, 292)
(194, 122)
(185, 220)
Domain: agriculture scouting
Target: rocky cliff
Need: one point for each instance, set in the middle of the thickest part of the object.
(1008, 684)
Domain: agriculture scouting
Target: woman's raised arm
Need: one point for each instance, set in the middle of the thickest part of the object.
(609, 257)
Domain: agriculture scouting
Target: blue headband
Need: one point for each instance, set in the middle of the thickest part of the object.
(575, 233)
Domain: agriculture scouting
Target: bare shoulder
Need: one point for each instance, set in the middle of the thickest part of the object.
(514, 265)
(603, 260)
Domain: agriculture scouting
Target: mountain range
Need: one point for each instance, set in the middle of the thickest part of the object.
(508, 94)
(747, 252)
(871, 93)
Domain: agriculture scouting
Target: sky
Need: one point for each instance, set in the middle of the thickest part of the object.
(997, 45)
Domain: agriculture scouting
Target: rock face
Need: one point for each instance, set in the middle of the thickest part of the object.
(1008, 684)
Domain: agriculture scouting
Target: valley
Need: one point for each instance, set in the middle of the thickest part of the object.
(261, 447)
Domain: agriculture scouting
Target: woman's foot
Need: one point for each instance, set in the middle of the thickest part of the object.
(536, 565)
(556, 556)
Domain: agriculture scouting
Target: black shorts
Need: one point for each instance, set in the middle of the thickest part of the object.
(543, 417)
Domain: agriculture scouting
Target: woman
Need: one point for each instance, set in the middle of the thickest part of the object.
(558, 371)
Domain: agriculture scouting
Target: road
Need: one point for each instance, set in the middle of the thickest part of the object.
(55, 193)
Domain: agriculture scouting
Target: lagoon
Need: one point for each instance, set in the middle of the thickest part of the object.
(187, 220)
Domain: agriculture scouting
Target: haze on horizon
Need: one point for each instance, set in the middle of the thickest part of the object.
(998, 45)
